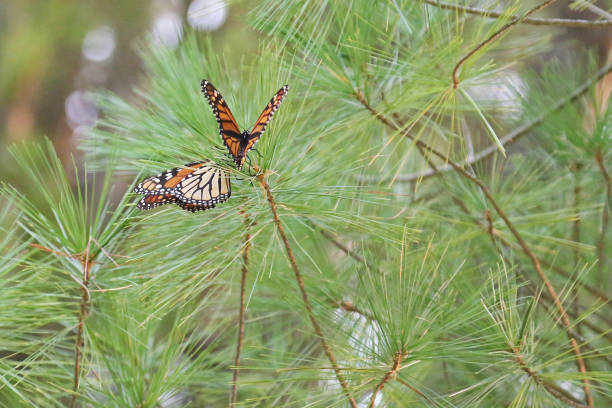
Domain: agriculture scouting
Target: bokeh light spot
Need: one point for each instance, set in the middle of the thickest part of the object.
(99, 44)
(207, 15)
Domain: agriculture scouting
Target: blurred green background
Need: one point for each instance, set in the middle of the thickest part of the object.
(54, 52)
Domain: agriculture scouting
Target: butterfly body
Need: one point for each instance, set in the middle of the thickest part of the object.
(239, 143)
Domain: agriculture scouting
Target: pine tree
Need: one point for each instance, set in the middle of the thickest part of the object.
(424, 223)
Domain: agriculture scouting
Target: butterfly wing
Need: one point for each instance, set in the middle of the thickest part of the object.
(194, 187)
(262, 122)
(155, 200)
(204, 187)
(166, 181)
(192, 207)
(228, 128)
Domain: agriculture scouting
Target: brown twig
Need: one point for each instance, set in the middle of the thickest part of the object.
(519, 238)
(554, 390)
(592, 290)
(495, 235)
(241, 315)
(86, 264)
(397, 361)
(605, 216)
(495, 36)
(575, 169)
(491, 231)
(411, 387)
(550, 387)
(58, 253)
(564, 22)
(298, 276)
(511, 137)
(342, 247)
(349, 306)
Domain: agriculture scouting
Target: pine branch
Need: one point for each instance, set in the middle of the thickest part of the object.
(563, 22)
(245, 264)
(514, 135)
(605, 216)
(341, 246)
(86, 265)
(350, 307)
(519, 238)
(298, 276)
(495, 36)
(397, 361)
(554, 390)
(491, 231)
(494, 234)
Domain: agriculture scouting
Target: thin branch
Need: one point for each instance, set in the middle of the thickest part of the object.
(592, 290)
(594, 9)
(342, 247)
(412, 388)
(564, 22)
(519, 238)
(575, 169)
(349, 306)
(495, 235)
(298, 276)
(397, 361)
(491, 230)
(511, 137)
(495, 36)
(554, 390)
(58, 253)
(86, 264)
(605, 216)
(245, 263)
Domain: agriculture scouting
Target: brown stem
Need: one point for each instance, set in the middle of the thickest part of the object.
(575, 168)
(245, 263)
(495, 36)
(491, 230)
(554, 390)
(298, 276)
(495, 235)
(397, 361)
(511, 137)
(605, 216)
(564, 22)
(594, 291)
(348, 306)
(550, 387)
(525, 248)
(342, 247)
(86, 264)
(411, 387)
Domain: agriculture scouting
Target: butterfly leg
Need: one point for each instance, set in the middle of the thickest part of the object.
(257, 151)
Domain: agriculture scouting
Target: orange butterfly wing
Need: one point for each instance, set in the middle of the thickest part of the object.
(194, 187)
(228, 128)
(166, 181)
(263, 120)
(152, 201)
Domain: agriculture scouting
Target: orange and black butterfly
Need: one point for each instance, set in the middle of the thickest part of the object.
(239, 143)
(195, 186)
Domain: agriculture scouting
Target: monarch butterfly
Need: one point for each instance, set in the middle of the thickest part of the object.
(195, 186)
(238, 143)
